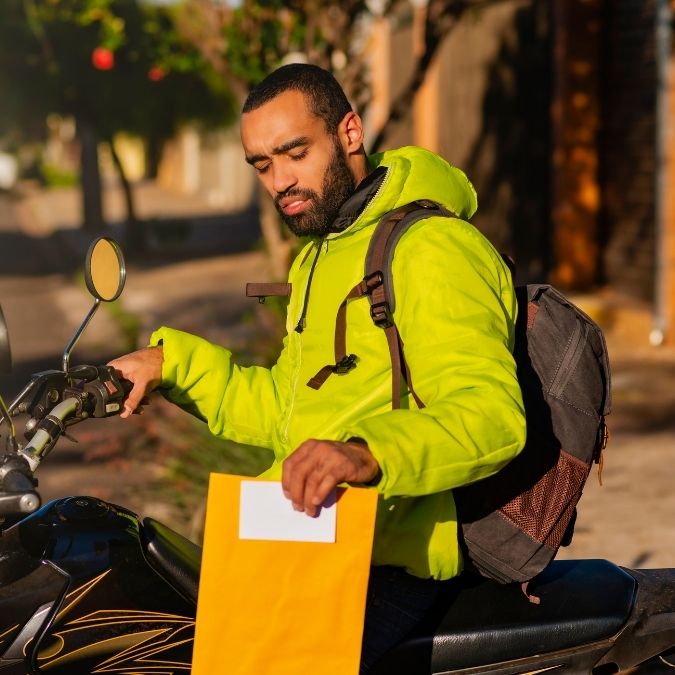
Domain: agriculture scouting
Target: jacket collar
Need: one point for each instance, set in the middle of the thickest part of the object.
(361, 197)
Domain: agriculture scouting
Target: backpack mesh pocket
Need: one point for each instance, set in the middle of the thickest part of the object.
(544, 511)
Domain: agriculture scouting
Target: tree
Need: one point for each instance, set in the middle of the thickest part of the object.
(245, 43)
(114, 65)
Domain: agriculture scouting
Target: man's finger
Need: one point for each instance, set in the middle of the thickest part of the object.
(292, 481)
(314, 480)
(289, 469)
(322, 491)
(133, 400)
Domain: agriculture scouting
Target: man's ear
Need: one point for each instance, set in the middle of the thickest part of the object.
(351, 132)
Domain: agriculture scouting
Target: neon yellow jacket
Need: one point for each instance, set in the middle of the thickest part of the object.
(455, 309)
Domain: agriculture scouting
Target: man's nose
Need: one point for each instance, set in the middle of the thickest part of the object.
(283, 179)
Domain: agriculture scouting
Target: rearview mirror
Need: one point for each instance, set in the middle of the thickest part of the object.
(104, 270)
(104, 274)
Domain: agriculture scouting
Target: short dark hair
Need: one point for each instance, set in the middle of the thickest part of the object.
(327, 100)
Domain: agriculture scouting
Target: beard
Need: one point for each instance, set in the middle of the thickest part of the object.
(338, 185)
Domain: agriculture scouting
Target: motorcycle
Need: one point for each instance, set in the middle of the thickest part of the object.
(87, 586)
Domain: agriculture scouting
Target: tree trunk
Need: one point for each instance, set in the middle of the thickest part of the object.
(90, 180)
(575, 128)
(153, 155)
(134, 234)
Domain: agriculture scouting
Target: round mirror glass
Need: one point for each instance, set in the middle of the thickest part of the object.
(104, 269)
(5, 351)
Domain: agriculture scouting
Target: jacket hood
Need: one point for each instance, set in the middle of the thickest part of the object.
(415, 173)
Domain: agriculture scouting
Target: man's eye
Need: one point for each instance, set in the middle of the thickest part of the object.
(261, 168)
(298, 156)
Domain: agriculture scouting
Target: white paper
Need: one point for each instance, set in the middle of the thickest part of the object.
(264, 513)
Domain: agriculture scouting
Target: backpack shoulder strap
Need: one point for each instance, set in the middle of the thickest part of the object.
(377, 284)
(379, 265)
(383, 244)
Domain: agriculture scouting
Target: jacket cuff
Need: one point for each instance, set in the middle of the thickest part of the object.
(170, 339)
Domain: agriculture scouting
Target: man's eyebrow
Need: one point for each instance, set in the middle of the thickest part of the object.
(280, 149)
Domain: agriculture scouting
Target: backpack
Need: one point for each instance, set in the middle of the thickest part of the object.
(513, 522)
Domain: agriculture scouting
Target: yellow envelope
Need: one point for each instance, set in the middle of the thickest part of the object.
(282, 607)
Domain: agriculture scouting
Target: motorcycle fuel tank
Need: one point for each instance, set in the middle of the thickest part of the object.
(78, 593)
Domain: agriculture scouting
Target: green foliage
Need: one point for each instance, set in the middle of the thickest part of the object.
(204, 453)
(247, 42)
(156, 79)
(259, 35)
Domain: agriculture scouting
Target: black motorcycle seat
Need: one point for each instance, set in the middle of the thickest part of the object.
(480, 622)
(173, 556)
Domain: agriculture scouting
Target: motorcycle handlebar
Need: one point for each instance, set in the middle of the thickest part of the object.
(102, 394)
(17, 481)
(48, 432)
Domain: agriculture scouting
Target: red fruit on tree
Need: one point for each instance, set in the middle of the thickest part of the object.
(102, 58)
(156, 73)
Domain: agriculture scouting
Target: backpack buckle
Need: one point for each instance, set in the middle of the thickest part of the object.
(345, 364)
(381, 314)
(373, 281)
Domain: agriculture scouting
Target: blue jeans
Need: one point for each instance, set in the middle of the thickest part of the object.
(395, 604)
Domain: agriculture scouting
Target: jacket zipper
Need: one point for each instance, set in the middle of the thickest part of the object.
(302, 322)
(376, 195)
(300, 327)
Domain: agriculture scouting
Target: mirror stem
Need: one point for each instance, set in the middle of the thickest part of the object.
(76, 337)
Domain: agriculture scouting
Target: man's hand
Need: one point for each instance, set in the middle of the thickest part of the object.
(317, 467)
(144, 369)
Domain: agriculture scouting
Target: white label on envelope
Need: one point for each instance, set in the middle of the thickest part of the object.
(264, 513)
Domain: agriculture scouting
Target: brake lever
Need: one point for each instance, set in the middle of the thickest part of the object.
(83, 373)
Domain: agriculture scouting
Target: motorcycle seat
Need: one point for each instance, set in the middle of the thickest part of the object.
(173, 556)
(480, 622)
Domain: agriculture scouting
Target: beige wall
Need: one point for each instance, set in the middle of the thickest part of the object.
(484, 107)
(211, 165)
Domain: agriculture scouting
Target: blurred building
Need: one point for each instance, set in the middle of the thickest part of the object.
(211, 165)
(561, 113)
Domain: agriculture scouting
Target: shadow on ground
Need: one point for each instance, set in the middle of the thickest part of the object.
(169, 240)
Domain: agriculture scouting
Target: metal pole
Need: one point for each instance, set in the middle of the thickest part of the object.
(660, 324)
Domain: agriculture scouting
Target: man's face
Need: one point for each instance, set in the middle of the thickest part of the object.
(303, 167)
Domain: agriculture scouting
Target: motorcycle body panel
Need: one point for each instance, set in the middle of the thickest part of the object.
(99, 604)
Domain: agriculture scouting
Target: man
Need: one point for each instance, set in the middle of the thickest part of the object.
(455, 310)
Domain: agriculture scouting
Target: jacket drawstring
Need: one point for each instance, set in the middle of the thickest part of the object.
(302, 322)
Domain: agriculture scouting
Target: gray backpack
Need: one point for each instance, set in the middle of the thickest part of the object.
(513, 522)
